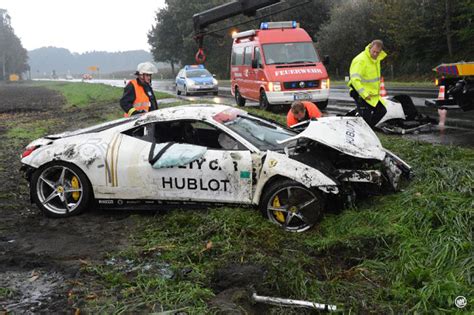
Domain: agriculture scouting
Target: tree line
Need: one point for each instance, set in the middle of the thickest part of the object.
(418, 34)
(13, 57)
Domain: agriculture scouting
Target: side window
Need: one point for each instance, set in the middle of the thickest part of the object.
(186, 131)
(258, 57)
(248, 56)
(237, 56)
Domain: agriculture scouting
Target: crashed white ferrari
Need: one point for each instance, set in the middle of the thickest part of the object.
(211, 154)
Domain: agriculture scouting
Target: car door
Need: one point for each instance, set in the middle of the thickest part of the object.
(217, 176)
(180, 80)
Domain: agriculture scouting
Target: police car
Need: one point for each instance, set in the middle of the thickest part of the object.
(196, 79)
(211, 155)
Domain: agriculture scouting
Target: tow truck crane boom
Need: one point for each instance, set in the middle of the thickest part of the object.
(203, 19)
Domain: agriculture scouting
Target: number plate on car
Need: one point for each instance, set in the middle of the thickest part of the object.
(302, 96)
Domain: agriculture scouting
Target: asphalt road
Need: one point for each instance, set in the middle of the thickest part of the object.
(459, 128)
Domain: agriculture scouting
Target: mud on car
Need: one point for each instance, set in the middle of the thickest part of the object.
(211, 154)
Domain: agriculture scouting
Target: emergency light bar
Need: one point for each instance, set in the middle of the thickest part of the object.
(189, 67)
(243, 34)
(285, 24)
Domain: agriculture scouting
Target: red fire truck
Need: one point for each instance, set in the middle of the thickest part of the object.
(277, 64)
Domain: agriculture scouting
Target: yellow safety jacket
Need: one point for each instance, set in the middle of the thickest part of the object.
(365, 76)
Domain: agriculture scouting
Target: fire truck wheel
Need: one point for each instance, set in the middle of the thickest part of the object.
(264, 101)
(238, 98)
(322, 105)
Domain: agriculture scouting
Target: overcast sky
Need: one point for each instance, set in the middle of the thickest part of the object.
(83, 25)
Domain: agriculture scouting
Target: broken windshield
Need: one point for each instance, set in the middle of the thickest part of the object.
(262, 134)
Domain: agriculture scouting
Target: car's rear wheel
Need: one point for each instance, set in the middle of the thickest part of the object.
(60, 189)
(263, 101)
(238, 98)
(291, 205)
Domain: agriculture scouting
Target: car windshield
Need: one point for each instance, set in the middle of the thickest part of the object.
(288, 53)
(262, 134)
(201, 73)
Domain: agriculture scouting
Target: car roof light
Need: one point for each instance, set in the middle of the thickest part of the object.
(243, 34)
(284, 24)
(193, 67)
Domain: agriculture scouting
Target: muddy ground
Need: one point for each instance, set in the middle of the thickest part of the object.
(41, 259)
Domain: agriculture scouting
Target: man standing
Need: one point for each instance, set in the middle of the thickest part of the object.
(365, 82)
(301, 111)
(138, 96)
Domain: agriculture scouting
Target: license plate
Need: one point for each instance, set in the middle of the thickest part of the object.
(302, 96)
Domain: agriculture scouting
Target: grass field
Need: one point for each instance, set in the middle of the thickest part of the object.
(407, 252)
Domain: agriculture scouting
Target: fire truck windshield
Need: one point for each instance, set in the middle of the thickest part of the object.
(288, 53)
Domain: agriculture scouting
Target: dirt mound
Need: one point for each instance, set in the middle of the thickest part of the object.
(24, 98)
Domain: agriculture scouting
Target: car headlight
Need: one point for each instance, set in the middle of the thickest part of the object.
(215, 82)
(190, 82)
(325, 84)
(274, 86)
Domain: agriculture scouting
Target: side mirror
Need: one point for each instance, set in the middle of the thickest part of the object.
(254, 63)
(326, 60)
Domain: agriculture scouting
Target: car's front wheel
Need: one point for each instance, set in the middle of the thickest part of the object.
(291, 205)
(238, 98)
(60, 189)
(178, 91)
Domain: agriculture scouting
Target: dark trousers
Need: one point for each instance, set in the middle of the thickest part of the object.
(372, 115)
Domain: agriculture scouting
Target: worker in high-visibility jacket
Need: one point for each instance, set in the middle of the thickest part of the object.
(301, 111)
(364, 82)
(138, 96)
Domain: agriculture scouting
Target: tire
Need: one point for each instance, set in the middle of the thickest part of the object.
(263, 101)
(238, 98)
(300, 206)
(215, 93)
(178, 92)
(60, 189)
(322, 105)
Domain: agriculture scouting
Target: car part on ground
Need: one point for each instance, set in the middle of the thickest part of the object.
(292, 303)
(401, 117)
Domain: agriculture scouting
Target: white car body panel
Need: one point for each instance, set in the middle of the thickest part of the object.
(280, 164)
(350, 135)
(394, 111)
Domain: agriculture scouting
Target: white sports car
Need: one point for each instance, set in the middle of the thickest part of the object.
(210, 154)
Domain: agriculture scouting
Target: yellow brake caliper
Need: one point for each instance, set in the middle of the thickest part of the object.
(278, 214)
(75, 185)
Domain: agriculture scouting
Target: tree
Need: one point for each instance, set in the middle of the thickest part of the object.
(349, 30)
(13, 57)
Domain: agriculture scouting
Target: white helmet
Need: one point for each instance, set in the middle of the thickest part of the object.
(147, 68)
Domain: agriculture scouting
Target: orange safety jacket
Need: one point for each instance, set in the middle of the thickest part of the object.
(141, 102)
(312, 111)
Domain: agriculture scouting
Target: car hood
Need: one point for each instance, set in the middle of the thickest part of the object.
(201, 79)
(349, 135)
